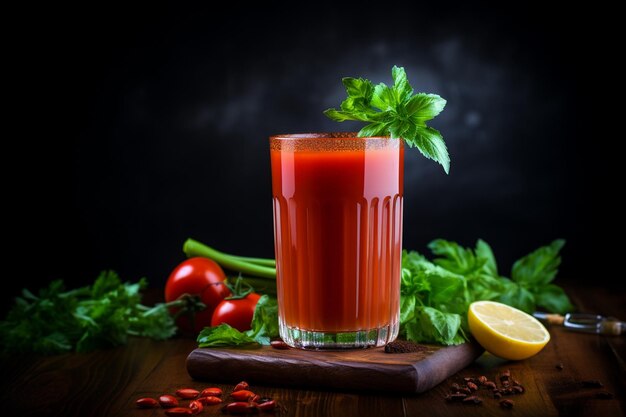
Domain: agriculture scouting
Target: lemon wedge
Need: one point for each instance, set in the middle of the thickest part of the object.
(506, 331)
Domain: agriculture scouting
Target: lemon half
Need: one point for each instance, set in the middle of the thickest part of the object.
(506, 331)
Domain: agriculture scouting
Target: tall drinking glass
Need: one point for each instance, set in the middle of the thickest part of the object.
(338, 238)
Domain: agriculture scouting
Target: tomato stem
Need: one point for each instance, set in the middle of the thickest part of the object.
(251, 266)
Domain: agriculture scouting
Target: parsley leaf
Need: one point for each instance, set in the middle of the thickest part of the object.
(395, 111)
(83, 319)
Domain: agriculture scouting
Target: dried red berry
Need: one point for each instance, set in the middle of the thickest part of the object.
(279, 344)
(482, 379)
(472, 386)
(168, 401)
(605, 395)
(178, 411)
(472, 400)
(196, 406)
(147, 403)
(242, 395)
(187, 393)
(241, 386)
(210, 400)
(507, 404)
(211, 392)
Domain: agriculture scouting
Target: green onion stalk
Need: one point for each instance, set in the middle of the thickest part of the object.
(260, 273)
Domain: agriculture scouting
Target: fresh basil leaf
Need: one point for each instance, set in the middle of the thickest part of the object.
(483, 251)
(223, 335)
(407, 308)
(455, 258)
(554, 299)
(431, 325)
(539, 267)
(518, 297)
(264, 325)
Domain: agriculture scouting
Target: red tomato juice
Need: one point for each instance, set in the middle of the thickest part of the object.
(338, 231)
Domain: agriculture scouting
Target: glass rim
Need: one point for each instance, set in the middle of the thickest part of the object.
(324, 135)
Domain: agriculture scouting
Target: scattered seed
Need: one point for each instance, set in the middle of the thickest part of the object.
(178, 411)
(210, 400)
(168, 401)
(472, 400)
(455, 397)
(497, 395)
(279, 344)
(559, 366)
(241, 386)
(490, 385)
(147, 403)
(455, 387)
(472, 386)
(605, 395)
(518, 389)
(482, 380)
(187, 393)
(505, 375)
(211, 392)
(507, 404)
(465, 390)
(592, 383)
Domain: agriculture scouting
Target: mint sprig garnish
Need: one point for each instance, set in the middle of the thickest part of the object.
(395, 111)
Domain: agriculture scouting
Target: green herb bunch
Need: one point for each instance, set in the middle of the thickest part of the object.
(395, 111)
(100, 315)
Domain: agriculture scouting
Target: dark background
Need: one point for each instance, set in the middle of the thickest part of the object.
(140, 127)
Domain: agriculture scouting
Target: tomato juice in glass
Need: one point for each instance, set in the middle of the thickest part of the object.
(338, 238)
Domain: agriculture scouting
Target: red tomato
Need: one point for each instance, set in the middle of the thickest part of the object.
(197, 276)
(238, 313)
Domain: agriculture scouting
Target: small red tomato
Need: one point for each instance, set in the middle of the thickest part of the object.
(202, 277)
(237, 312)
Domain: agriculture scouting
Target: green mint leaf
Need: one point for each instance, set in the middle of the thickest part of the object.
(384, 98)
(538, 267)
(401, 84)
(358, 87)
(423, 107)
(374, 129)
(339, 116)
(431, 145)
(396, 112)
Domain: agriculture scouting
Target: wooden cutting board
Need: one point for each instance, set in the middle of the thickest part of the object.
(362, 370)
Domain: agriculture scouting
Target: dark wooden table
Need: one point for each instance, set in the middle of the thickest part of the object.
(107, 383)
